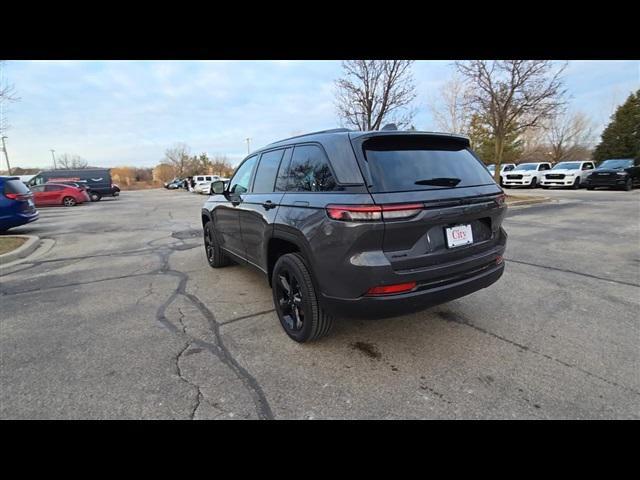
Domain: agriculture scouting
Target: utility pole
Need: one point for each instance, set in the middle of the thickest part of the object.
(6, 155)
(54, 159)
(248, 146)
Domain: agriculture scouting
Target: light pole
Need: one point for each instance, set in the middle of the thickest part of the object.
(54, 158)
(6, 155)
(248, 146)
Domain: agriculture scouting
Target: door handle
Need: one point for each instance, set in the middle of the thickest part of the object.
(268, 205)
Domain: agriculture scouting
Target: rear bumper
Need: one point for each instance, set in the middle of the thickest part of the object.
(427, 294)
(17, 220)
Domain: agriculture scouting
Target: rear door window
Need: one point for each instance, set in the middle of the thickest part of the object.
(400, 164)
(309, 171)
(267, 171)
(53, 188)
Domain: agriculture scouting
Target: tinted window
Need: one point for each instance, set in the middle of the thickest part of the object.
(283, 174)
(616, 164)
(413, 163)
(240, 181)
(15, 186)
(52, 188)
(267, 171)
(309, 171)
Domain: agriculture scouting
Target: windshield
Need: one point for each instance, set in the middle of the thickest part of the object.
(527, 166)
(566, 166)
(400, 164)
(616, 164)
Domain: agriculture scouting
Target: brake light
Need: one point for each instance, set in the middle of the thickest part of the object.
(18, 196)
(391, 289)
(500, 199)
(355, 213)
(368, 213)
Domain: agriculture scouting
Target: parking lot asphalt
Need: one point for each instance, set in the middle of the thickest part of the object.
(123, 318)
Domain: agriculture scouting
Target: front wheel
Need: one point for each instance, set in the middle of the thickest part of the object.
(628, 185)
(69, 201)
(295, 300)
(215, 255)
(534, 183)
(95, 196)
(576, 184)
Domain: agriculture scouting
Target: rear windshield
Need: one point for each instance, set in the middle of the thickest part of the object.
(15, 186)
(403, 164)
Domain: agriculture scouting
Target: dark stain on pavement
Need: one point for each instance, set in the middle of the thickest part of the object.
(368, 349)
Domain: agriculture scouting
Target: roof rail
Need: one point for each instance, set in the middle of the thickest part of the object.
(332, 130)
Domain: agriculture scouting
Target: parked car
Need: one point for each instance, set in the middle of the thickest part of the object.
(525, 175)
(173, 184)
(82, 186)
(16, 204)
(98, 180)
(360, 223)
(567, 174)
(505, 167)
(58, 194)
(202, 181)
(615, 173)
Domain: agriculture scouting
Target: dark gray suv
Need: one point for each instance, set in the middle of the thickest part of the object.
(359, 223)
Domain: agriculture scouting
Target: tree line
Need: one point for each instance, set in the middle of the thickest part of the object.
(511, 110)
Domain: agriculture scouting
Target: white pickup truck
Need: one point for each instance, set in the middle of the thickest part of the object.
(525, 175)
(567, 174)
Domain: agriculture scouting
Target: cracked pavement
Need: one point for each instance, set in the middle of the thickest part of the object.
(123, 318)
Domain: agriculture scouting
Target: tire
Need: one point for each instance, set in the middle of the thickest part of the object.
(591, 188)
(95, 196)
(293, 295)
(628, 186)
(545, 187)
(506, 186)
(576, 184)
(69, 201)
(215, 255)
(534, 183)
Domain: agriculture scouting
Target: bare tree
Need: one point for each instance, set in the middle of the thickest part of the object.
(67, 161)
(450, 108)
(178, 157)
(7, 94)
(375, 91)
(569, 137)
(512, 95)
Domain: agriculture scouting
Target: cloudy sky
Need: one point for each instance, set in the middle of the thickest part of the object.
(128, 112)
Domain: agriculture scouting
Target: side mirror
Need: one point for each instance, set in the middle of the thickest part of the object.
(217, 188)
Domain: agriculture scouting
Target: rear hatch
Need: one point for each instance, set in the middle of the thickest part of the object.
(15, 190)
(434, 187)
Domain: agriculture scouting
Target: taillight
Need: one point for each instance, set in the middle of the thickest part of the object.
(368, 213)
(355, 213)
(391, 289)
(18, 196)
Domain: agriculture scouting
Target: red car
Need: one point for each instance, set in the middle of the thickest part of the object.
(58, 194)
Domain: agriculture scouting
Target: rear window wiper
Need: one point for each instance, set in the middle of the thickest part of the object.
(440, 182)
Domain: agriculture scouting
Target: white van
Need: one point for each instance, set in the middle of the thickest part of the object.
(202, 181)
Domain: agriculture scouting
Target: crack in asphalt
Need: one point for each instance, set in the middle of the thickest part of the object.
(547, 267)
(244, 317)
(199, 395)
(263, 409)
(450, 316)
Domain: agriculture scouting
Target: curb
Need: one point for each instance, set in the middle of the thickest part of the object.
(23, 250)
(518, 203)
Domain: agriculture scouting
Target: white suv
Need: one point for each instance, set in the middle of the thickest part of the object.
(567, 174)
(525, 175)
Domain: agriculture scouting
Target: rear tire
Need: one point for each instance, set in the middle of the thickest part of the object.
(215, 254)
(69, 201)
(95, 196)
(296, 302)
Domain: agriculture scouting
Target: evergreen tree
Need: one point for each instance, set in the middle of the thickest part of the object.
(621, 138)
